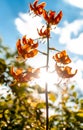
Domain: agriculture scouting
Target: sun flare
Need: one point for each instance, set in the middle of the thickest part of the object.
(47, 77)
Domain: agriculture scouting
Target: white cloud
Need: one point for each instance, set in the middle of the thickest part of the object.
(79, 76)
(37, 61)
(79, 64)
(77, 3)
(27, 24)
(81, 13)
(74, 44)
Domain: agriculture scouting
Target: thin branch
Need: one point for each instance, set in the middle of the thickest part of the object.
(42, 53)
(47, 62)
(54, 49)
(46, 96)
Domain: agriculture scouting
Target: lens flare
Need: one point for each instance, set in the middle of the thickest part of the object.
(47, 77)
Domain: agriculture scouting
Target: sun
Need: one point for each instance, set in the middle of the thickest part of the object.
(47, 77)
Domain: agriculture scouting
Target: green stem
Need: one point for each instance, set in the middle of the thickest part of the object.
(46, 96)
(47, 63)
(46, 85)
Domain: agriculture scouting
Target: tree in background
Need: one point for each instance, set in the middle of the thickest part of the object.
(23, 106)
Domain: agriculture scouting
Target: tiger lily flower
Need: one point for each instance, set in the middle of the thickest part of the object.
(65, 72)
(62, 57)
(26, 47)
(45, 33)
(51, 17)
(37, 8)
(24, 76)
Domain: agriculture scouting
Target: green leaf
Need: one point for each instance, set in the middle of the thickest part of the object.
(74, 94)
(1, 115)
(2, 66)
(80, 115)
(52, 96)
(54, 128)
(72, 87)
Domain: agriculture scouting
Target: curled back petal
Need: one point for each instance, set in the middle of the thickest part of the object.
(65, 72)
(19, 71)
(26, 48)
(62, 57)
(45, 15)
(45, 33)
(35, 3)
(58, 18)
(51, 17)
(19, 47)
(24, 40)
(34, 45)
(30, 41)
(42, 5)
(21, 75)
(52, 14)
(37, 8)
(31, 53)
(12, 71)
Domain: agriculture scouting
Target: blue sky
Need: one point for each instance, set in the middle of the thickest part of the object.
(10, 10)
(15, 22)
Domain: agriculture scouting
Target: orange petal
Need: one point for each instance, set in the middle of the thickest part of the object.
(58, 17)
(51, 14)
(12, 70)
(34, 45)
(42, 5)
(37, 8)
(19, 71)
(24, 40)
(19, 46)
(35, 3)
(62, 57)
(65, 72)
(45, 15)
(32, 53)
(31, 7)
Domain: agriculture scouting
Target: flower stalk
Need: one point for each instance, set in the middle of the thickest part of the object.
(28, 48)
(46, 85)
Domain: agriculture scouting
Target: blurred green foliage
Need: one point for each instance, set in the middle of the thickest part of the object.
(24, 109)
